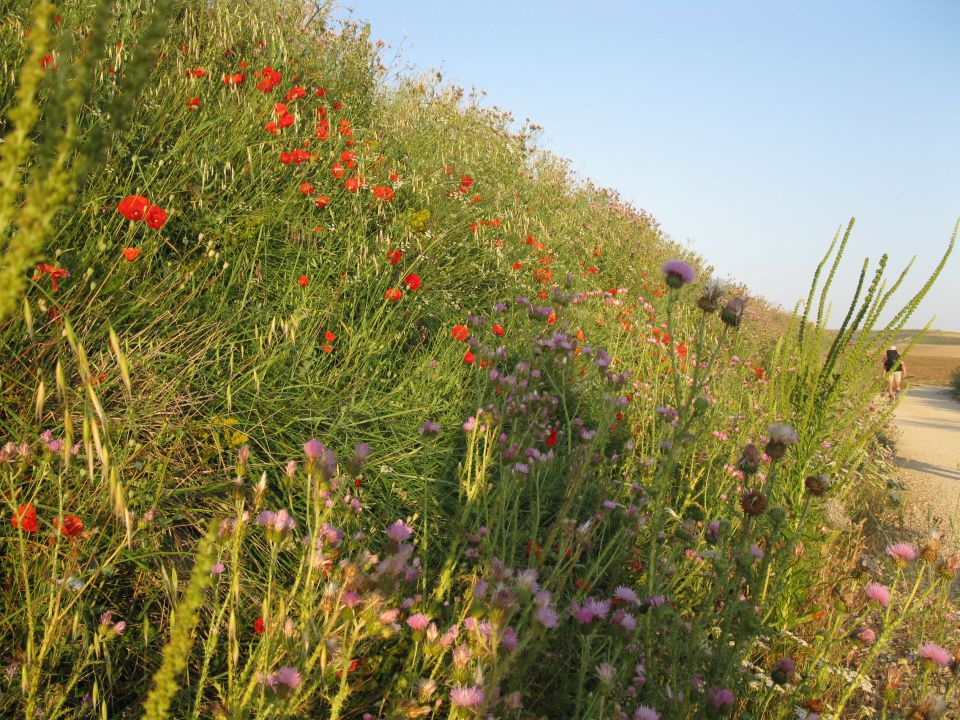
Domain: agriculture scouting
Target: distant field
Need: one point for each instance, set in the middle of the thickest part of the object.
(932, 360)
(933, 363)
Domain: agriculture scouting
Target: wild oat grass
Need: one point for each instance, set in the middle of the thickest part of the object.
(467, 449)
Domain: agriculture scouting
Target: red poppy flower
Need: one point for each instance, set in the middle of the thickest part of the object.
(306, 188)
(338, 105)
(327, 348)
(47, 61)
(55, 274)
(134, 207)
(322, 201)
(383, 192)
(329, 336)
(475, 199)
(156, 217)
(295, 94)
(131, 254)
(285, 121)
(460, 332)
(497, 329)
(474, 227)
(235, 79)
(272, 128)
(25, 518)
(303, 280)
(552, 319)
(551, 438)
(71, 525)
(468, 357)
(352, 184)
(465, 182)
(193, 103)
(349, 158)
(279, 109)
(393, 294)
(517, 266)
(394, 256)
(337, 170)
(320, 91)
(196, 72)
(344, 127)
(412, 282)
(259, 627)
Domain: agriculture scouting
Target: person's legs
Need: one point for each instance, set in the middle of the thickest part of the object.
(898, 376)
(890, 385)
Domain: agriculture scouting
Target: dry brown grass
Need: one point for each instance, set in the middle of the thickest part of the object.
(932, 364)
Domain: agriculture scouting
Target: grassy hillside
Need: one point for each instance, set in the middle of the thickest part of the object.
(328, 399)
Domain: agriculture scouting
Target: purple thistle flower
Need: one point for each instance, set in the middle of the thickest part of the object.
(645, 713)
(678, 273)
(719, 697)
(547, 617)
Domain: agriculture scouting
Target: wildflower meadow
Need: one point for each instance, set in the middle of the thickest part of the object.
(330, 397)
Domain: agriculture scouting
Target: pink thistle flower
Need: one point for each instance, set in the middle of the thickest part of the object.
(399, 532)
(419, 621)
(645, 713)
(625, 594)
(936, 654)
(879, 593)
(289, 676)
(313, 449)
(466, 696)
(867, 635)
(388, 617)
(902, 553)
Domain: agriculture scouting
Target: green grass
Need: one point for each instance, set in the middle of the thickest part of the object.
(553, 471)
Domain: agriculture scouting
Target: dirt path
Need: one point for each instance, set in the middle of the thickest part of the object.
(928, 452)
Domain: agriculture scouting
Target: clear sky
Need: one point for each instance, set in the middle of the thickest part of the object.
(751, 130)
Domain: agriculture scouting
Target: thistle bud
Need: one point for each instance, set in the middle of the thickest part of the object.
(817, 485)
(732, 312)
(709, 301)
(753, 503)
(749, 461)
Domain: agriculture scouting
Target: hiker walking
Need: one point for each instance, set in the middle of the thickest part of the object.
(895, 369)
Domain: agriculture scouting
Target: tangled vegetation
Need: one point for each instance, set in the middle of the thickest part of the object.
(328, 398)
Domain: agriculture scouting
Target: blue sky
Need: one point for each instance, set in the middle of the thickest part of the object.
(751, 130)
